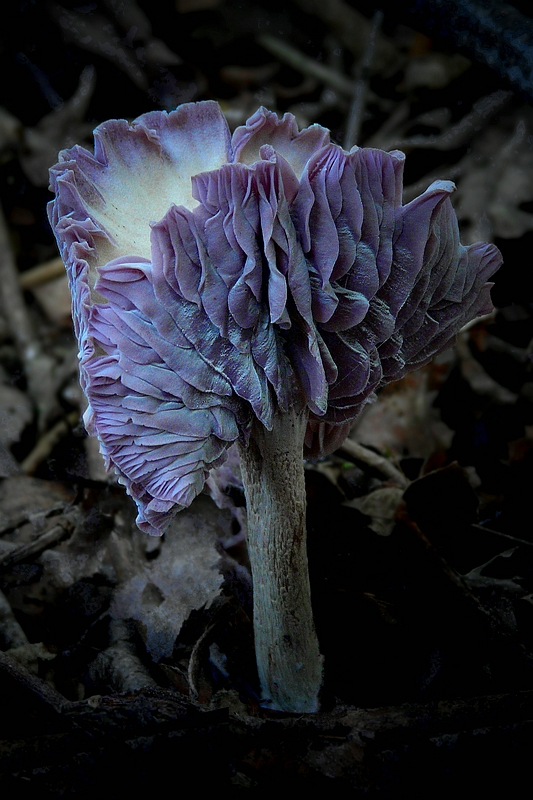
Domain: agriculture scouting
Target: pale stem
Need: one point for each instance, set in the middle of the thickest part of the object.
(286, 645)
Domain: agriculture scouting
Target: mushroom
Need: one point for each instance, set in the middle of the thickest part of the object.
(255, 288)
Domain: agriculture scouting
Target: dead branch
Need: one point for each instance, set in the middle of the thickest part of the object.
(47, 539)
(355, 117)
(306, 65)
(42, 692)
(353, 30)
(372, 459)
(48, 441)
(119, 663)
(42, 273)
(459, 134)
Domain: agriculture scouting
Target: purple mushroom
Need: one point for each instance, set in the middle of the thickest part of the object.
(255, 288)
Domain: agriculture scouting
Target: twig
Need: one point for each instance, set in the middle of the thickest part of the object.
(48, 441)
(383, 465)
(499, 344)
(42, 273)
(37, 365)
(459, 134)
(119, 663)
(479, 379)
(453, 171)
(41, 543)
(15, 521)
(500, 631)
(306, 65)
(507, 536)
(42, 692)
(353, 30)
(487, 186)
(383, 137)
(97, 34)
(355, 117)
(193, 671)
(447, 740)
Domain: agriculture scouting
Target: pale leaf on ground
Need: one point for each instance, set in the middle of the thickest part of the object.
(381, 506)
(182, 578)
(403, 420)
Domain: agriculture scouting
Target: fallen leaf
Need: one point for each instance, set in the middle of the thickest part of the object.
(381, 506)
(182, 578)
(403, 420)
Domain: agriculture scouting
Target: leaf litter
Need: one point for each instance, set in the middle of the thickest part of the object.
(422, 594)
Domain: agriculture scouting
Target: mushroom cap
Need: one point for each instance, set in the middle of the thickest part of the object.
(216, 279)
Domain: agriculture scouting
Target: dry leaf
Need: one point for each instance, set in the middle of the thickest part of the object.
(182, 578)
(225, 486)
(381, 506)
(403, 420)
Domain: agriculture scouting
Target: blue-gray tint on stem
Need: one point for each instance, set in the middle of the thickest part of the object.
(216, 279)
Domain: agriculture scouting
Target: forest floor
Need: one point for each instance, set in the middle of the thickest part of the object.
(127, 661)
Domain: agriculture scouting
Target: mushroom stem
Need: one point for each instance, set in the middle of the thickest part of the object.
(288, 658)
